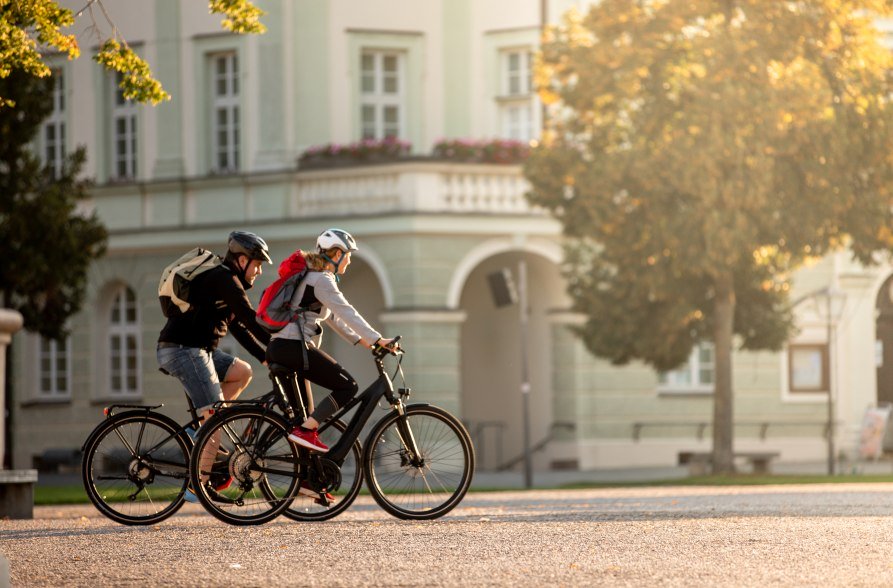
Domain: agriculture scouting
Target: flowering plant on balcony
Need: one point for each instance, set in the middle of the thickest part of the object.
(365, 151)
(485, 151)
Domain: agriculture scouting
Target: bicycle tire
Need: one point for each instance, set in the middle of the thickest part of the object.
(305, 508)
(427, 489)
(249, 437)
(136, 467)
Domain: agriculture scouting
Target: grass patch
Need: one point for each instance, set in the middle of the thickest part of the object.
(740, 480)
(60, 495)
(75, 494)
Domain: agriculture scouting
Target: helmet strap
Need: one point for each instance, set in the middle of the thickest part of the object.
(333, 262)
(243, 271)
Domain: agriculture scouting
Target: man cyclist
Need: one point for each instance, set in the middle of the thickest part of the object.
(187, 346)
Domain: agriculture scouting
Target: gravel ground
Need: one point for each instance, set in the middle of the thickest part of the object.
(811, 535)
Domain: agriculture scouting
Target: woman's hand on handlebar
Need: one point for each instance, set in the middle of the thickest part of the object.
(391, 345)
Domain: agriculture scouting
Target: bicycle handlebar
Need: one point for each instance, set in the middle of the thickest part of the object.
(379, 351)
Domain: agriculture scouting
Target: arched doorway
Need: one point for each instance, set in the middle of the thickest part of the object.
(884, 350)
(491, 359)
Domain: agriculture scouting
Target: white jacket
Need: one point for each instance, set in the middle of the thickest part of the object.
(336, 312)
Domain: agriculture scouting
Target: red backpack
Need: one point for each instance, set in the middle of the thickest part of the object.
(275, 309)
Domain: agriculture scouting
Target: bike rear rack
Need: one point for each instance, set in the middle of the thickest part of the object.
(108, 410)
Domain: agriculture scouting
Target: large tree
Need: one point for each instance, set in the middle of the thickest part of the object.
(697, 151)
(46, 242)
(28, 27)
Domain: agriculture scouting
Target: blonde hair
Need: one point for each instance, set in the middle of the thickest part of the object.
(317, 262)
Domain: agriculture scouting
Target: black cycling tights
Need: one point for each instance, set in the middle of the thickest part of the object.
(323, 370)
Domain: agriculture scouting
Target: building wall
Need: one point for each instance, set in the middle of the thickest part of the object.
(429, 232)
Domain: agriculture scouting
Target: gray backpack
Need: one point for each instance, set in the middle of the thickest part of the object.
(176, 279)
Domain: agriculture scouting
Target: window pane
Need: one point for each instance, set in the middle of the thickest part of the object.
(367, 63)
(235, 78)
(368, 115)
(807, 369)
(368, 84)
(514, 62)
(391, 114)
(390, 85)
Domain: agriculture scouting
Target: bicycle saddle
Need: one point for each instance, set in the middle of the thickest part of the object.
(278, 369)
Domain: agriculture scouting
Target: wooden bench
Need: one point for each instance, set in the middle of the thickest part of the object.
(17, 494)
(699, 462)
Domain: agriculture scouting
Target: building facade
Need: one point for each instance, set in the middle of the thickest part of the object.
(222, 155)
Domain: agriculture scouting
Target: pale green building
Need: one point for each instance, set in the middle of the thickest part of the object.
(222, 155)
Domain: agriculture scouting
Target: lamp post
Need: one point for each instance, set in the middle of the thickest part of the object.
(830, 303)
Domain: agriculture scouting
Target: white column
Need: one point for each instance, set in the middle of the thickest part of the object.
(10, 322)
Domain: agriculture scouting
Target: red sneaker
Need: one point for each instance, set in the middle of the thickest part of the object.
(307, 438)
(322, 499)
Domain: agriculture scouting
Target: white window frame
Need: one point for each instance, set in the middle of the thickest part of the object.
(377, 99)
(54, 148)
(516, 100)
(226, 154)
(123, 111)
(128, 334)
(523, 74)
(687, 378)
(51, 352)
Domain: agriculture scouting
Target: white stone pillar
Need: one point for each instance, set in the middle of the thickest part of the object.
(10, 322)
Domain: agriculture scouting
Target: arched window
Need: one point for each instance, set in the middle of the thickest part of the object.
(123, 344)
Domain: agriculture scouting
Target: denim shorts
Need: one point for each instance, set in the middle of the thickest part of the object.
(199, 370)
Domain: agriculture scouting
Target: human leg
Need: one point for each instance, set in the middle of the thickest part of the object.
(198, 371)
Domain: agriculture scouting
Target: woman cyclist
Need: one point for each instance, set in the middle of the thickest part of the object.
(322, 301)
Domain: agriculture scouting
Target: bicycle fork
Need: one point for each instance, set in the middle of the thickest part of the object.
(407, 440)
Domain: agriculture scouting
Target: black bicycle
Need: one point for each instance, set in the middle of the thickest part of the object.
(135, 467)
(418, 460)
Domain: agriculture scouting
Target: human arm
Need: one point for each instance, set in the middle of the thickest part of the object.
(345, 319)
(242, 321)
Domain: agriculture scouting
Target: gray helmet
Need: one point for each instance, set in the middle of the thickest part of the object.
(337, 238)
(244, 243)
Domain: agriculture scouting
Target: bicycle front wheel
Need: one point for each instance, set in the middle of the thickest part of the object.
(419, 465)
(135, 467)
(243, 468)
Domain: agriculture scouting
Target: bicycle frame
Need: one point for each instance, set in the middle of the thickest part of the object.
(366, 401)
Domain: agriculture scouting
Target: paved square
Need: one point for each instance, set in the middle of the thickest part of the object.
(828, 535)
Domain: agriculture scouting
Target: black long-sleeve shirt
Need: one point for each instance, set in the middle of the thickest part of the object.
(218, 304)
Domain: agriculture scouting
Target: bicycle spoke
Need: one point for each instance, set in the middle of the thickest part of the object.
(419, 467)
(127, 483)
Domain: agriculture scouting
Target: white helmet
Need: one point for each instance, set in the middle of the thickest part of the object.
(337, 238)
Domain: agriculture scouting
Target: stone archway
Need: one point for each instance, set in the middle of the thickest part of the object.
(491, 358)
(884, 353)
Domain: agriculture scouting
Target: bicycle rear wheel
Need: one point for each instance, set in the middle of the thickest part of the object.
(248, 444)
(136, 467)
(344, 484)
(422, 484)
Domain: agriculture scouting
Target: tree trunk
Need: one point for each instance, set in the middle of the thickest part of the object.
(724, 307)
